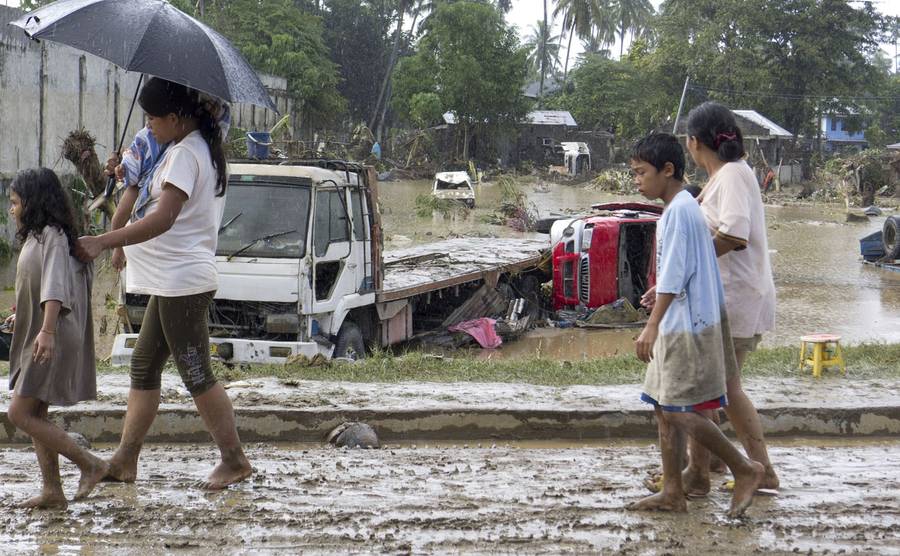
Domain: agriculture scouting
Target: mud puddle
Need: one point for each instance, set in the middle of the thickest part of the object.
(442, 499)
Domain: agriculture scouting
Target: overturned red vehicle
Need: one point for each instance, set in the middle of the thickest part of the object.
(604, 256)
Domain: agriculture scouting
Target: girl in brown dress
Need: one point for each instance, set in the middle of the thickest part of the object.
(52, 355)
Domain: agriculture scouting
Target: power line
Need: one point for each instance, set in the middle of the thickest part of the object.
(790, 96)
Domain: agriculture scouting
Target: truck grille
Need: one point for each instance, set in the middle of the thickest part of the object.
(584, 280)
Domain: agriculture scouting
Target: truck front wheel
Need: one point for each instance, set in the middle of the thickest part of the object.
(350, 344)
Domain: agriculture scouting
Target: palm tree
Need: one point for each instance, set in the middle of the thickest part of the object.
(543, 48)
(401, 7)
(578, 19)
(630, 15)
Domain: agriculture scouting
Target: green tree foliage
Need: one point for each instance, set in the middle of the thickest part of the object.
(543, 50)
(278, 37)
(793, 59)
(606, 95)
(630, 16)
(472, 61)
(358, 36)
(588, 19)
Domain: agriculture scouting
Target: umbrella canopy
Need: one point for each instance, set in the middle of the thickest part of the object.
(152, 37)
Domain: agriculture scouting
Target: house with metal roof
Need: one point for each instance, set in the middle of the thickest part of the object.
(766, 143)
(838, 135)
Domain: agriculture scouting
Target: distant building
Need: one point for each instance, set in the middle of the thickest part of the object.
(766, 142)
(837, 138)
(533, 90)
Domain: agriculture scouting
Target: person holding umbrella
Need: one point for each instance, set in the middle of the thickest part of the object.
(171, 258)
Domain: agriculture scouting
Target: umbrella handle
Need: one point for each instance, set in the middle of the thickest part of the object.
(111, 182)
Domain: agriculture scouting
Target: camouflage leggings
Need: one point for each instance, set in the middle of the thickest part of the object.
(175, 326)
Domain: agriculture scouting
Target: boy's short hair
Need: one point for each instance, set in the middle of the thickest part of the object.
(659, 148)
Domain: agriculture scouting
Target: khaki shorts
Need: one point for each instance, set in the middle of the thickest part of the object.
(746, 344)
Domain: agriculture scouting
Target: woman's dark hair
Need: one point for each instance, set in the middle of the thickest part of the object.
(160, 98)
(44, 203)
(713, 124)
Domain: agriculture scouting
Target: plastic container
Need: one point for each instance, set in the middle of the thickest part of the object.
(258, 143)
(871, 247)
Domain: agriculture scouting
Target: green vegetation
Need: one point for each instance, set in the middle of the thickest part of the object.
(471, 60)
(865, 361)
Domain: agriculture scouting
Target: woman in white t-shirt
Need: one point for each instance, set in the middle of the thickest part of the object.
(170, 253)
(732, 205)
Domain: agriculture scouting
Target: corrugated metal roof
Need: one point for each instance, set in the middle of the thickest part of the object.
(763, 121)
(538, 117)
(551, 117)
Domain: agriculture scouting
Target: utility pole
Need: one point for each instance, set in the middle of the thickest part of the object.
(681, 104)
(202, 7)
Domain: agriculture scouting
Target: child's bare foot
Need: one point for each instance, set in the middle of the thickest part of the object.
(120, 471)
(662, 502)
(46, 500)
(226, 474)
(90, 476)
(770, 481)
(695, 483)
(745, 485)
(716, 465)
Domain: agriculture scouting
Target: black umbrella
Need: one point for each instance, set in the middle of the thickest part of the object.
(151, 37)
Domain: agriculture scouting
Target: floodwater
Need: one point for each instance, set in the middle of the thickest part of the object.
(821, 284)
(480, 498)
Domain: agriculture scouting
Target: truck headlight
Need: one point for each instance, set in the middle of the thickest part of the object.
(586, 236)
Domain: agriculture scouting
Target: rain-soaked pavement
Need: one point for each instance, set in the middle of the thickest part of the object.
(838, 497)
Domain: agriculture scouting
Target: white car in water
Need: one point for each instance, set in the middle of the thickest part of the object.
(455, 186)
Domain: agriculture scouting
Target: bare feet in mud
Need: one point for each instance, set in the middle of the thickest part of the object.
(120, 472)
(90, 477)
(46, 500)
(745, 485)
(225, 475)
(695, 484)
(661, 502)
(770, 481)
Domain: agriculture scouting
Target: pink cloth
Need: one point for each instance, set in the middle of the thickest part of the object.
(482, 330)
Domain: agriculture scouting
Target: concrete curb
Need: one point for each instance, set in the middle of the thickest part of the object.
(280, 424)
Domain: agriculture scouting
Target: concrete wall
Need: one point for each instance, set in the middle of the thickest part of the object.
(48, 90)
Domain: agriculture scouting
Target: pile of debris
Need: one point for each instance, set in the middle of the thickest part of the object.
(489, 317)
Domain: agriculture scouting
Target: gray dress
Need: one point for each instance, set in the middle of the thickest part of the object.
(45, 272)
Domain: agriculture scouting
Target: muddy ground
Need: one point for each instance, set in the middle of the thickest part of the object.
(838, 498)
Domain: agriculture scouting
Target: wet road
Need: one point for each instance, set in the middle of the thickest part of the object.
(839, 498)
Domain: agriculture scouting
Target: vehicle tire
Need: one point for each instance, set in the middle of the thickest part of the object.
(890, 237)
(350, 343)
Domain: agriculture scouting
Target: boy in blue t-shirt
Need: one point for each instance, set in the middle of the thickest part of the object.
(686, 341)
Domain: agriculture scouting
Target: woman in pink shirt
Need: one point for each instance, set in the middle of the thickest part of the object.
(732, 205)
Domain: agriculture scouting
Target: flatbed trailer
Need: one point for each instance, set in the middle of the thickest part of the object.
(454, 262)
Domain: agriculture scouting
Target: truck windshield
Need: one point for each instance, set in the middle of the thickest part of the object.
(257, 207)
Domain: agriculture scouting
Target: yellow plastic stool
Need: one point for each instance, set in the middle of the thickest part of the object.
(826, 352)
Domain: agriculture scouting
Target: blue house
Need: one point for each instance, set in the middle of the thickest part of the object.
(837, 138)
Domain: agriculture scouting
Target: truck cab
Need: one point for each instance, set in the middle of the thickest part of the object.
(296, 253)
(604, 256)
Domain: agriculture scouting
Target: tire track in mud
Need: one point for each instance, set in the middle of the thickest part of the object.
(840, 495)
